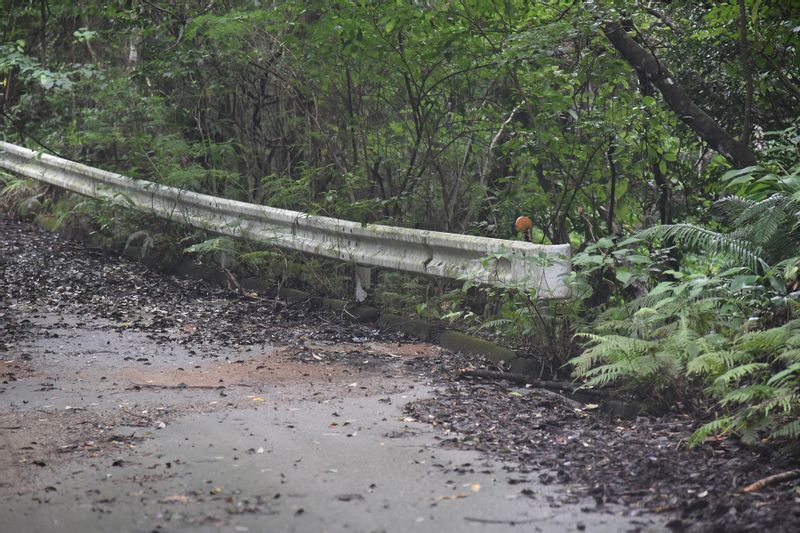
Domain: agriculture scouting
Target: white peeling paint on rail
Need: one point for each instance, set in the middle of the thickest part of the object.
(541, 267)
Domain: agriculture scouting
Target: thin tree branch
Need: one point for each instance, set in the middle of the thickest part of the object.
(744, 54)
(660, 15)
(649, 67)
(24, 133)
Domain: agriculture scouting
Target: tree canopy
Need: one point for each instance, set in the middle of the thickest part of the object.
(589, 116)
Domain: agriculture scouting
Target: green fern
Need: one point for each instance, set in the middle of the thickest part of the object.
(705, 240)
(714, 362)
(748, 394)
(770, 340)
(729, 208)
(12, 185)
(785, 400)
(722, 424)
(609, 373)
(788, 431)
(789, 356)
(711, 327)
(495, 323)
(753, 427)
(609, 349)
(737, 373)
(217, 244)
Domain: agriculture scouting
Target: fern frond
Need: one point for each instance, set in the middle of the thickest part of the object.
(738, 372)
(582, 363)
(720, 425)
(776, 203)
(618, 343)
(647, 367)
(705, 240)
(788, 373)
(769, 340)
(732, 358)
(605, 374)
(709, 363)
(609, 348)
(789, 356)
(495, 323)
(752, 427)
(590, 337)
(614, 325)
(683, 336)
(728, 208)
(788, 431)
(670, 307)
(794, 340)
(785, 399)
(749, 394)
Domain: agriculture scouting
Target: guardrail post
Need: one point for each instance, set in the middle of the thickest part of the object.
(224, 259)
(362, 278)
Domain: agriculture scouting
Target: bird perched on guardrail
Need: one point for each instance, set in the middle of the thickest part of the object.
(524, 225)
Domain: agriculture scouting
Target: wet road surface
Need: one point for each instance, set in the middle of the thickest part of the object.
(139, 408)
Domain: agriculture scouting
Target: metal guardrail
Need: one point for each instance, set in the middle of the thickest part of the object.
(540, 267)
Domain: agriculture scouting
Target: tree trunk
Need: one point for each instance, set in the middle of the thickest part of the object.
(612, 193)
(648, 66)
(747, 74)
(133, 56)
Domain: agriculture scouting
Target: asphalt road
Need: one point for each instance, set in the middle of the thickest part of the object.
(106, 427)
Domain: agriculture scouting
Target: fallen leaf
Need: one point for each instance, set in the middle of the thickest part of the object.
(349, 497)
(176, 498)
(458, 496)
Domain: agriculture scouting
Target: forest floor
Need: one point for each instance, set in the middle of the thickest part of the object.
(145, 402)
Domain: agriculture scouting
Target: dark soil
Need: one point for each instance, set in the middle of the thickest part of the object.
(42, 271)
(642, 463)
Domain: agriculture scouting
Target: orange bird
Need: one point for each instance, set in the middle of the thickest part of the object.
(524, 224)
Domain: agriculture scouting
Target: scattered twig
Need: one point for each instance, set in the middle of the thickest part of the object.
(509, 522)
(233, 283)
(178, 386)
(772, 480)
(137, 415)
(560, 397)
(522, 379)
(10, 427)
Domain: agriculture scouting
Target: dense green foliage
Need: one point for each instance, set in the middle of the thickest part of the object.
(461, 116)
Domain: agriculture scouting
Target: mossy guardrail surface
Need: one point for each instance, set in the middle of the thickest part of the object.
(543, 268)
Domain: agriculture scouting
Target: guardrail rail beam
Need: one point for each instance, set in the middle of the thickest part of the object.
(543, 268)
